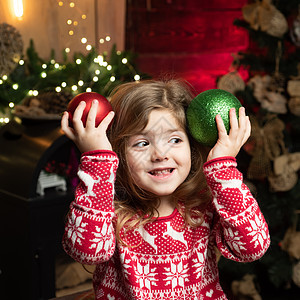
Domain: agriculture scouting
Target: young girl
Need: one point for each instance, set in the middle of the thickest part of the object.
(149, 212)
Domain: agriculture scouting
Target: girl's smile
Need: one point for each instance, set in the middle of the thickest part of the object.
(159, 158)
(161, 173)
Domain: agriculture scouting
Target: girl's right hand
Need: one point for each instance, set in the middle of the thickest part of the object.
(90, 137)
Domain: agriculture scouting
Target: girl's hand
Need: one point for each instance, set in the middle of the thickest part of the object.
(90, 137)
(230, 144)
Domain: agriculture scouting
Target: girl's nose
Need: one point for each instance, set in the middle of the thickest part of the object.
(159, 154)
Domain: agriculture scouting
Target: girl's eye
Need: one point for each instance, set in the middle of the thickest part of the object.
(141, 144)
(175, 140)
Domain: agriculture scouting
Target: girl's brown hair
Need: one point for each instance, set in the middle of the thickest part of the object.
(132, 103)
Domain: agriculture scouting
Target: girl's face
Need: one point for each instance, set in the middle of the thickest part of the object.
(159, 158)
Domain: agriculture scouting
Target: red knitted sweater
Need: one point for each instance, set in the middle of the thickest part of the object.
(165, 259)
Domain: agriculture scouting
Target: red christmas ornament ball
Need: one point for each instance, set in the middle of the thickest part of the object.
(104, 107)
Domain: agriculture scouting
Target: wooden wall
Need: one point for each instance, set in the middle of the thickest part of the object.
(45, 22)
(194, 39)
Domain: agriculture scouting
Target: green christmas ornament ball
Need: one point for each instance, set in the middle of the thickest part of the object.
(202, 111)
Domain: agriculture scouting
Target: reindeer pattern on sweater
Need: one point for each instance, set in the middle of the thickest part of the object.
(164, 259)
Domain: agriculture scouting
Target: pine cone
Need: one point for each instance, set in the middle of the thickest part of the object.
(54, 103)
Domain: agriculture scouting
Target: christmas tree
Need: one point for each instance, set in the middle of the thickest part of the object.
(270, 161)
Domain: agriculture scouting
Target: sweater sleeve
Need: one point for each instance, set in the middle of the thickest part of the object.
(89, 232)
(240, 230)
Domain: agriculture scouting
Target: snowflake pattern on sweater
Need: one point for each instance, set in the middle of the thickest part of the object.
(164, 259)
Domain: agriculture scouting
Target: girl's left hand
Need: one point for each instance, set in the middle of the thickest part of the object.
(230, 144)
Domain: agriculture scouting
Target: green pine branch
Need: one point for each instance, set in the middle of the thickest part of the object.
(46, 75)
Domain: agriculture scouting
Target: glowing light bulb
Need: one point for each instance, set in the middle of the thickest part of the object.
(107, 38)
(80, 82)
(72, 4)
(6, 120)
(44, 66)
(124, 61)
(137, 77)
(101, 41)
(35, 92)
(60, 3)
(52, 61)
(78, 61)
(1, 81)
(88, 89)
(69, 22)
(63, 84)
(74, 88)
(43, 74)
(88, 47)
(4, 77)
(75, 23)
(18, 8)
(83, 17)
(112, 78)
(67, 50)
(71, 32)
(15, 86)
(97, 72)
(100, 59)
(58, 89)
(56, 65)
(11, 105)
(83, 40)
(21, 62)
(109, 67)
(95, 78)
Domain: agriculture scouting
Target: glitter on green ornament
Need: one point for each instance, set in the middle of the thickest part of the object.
(202, 111)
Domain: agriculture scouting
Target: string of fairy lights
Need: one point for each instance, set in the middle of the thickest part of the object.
(88, 47)
(99, 63)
